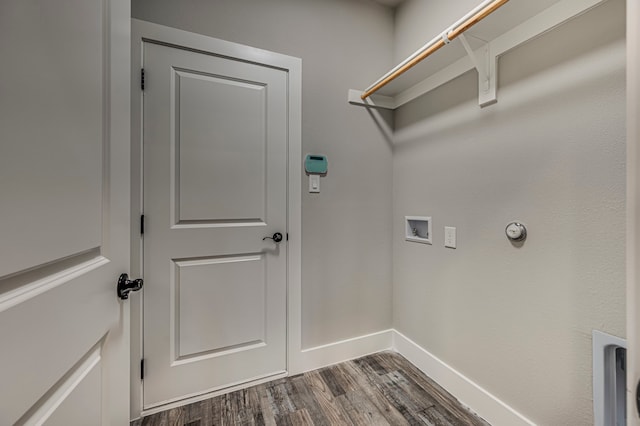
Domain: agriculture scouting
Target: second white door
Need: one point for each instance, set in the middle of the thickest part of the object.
(215, 176)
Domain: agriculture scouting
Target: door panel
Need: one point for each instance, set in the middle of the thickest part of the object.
(221, 147)
(64, 185)
(82, 388)
(86, 395)
(215, 152)
(51, 122)
(54, 337)
(208, 293)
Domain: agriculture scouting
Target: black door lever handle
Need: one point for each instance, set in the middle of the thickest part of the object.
(126, 286)
(277, 237)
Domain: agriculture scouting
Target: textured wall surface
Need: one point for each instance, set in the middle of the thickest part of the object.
(517, 318)
(346, 236)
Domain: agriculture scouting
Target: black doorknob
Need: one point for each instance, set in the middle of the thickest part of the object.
(126, 286)
(277, 237)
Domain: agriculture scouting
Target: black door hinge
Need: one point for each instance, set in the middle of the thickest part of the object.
(142, 78)
(142, 369)
(141, 224)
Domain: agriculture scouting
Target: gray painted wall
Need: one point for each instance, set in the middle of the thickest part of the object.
(517, 319)
(417, 22)
(346, 239)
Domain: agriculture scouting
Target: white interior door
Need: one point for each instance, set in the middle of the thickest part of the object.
(64, 186)
(215, 176)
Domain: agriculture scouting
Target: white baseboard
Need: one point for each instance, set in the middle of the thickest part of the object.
(486, 405)
(344, 350)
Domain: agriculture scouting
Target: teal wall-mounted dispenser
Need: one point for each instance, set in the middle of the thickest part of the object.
(315, 164)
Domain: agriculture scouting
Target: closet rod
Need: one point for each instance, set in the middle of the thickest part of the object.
(478, 14)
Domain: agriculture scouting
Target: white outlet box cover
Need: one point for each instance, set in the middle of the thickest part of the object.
(418, 229)
(314, 183)
(450, 236)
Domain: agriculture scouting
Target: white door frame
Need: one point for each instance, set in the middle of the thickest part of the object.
(633, 208)
(142, 31)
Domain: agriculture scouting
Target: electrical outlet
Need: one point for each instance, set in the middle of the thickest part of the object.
(314, 183)
(450, 237)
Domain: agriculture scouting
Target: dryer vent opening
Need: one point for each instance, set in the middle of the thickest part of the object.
(609, 379)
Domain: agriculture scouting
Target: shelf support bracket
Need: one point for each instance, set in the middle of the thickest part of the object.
(485, 64)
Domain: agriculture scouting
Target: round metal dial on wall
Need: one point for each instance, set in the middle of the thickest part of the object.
(516, 231)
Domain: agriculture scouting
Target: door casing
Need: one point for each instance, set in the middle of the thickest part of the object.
(146, 31)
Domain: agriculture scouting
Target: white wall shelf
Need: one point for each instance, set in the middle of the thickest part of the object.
(515, 23)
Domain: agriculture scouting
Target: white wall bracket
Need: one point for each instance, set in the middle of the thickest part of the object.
(485, 64)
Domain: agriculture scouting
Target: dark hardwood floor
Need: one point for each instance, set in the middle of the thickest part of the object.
(379, 389)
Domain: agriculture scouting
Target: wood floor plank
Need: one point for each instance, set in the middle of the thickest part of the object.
(373, 364)
(382, 389)
(332, 382)
(371, 388)
(279, 396)
(384, 361)
(177, 417)
(444, 400)
(225, 410)
(415, 398)
(237, 412)
(405, 383)
(410, 390)
(304, 397)
(194, 413)
(361, 410)
(333, 411)
(344, 377)
(213, 411)
(265, 405)
(436, 418)
(300, 418)
(253, 407)
(397, 398)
